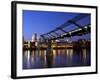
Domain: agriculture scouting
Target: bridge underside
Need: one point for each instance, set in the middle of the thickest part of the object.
(79, 29)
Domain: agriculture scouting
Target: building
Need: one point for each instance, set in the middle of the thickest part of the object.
(34, 37)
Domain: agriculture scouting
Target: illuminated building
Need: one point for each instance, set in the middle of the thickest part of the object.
(34, 37)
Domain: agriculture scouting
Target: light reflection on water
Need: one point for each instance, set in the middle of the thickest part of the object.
(58, 58)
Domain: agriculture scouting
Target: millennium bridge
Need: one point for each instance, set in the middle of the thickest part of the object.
(49, 39)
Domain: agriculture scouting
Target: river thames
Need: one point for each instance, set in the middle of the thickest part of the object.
(58, 58)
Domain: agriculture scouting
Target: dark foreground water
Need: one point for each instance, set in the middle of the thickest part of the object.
(58, 58)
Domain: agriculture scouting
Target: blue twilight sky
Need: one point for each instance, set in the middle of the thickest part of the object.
(41, 22)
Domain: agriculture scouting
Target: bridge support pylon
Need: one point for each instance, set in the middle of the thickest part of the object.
(49, 48)
(49, 55)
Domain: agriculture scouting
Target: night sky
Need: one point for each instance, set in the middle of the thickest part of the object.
(41, 22)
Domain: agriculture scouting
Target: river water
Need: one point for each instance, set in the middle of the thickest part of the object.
(37, 59)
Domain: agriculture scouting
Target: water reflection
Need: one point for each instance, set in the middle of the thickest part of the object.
(57, 58)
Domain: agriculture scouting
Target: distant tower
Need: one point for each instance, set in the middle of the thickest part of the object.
(34, 37)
